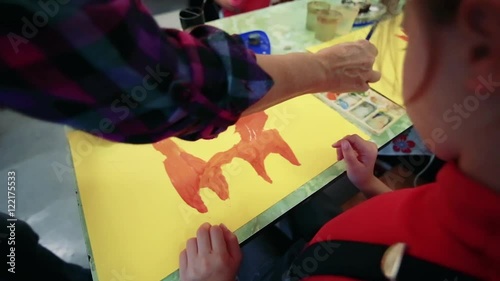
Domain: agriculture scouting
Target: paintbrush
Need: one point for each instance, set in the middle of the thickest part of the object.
(372, 30)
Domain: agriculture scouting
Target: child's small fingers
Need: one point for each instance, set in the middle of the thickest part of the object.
(191, 249)
(203, 239)
(355, 139)
(232, 243)
(183, 264)
(340, 154)
(350, 155)
(183, 260)
(360, 145)
(218, 239)
(339, 142)
(227, 233)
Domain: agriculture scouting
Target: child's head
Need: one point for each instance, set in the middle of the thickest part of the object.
(452, 73)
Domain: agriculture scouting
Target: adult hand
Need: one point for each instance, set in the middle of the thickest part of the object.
(341, 68)
(214, 255)
(348, 67)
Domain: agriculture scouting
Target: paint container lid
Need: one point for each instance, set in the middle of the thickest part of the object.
(363, 5)
(376, 12)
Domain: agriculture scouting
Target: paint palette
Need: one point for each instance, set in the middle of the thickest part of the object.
(369, 110)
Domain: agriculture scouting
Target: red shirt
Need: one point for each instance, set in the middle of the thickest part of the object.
(454, 222)
(248, 6)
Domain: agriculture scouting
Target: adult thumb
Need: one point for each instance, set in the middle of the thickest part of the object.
(350, 156)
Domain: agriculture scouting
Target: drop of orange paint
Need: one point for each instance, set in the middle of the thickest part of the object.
(332, 96)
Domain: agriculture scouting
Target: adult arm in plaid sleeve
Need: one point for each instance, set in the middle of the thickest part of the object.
(106, 67)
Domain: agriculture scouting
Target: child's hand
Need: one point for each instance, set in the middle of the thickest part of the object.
(360, 156)
(214, 255)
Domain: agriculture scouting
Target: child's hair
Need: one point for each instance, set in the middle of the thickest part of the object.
(440, 12)
(432, 13)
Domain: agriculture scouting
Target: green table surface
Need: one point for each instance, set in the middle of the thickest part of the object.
(285, 26)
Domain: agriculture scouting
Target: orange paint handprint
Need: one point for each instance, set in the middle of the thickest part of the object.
(184, 171)
(189, 174)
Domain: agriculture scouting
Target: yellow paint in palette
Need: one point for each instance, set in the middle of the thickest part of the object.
(391, 42)
(137, 222)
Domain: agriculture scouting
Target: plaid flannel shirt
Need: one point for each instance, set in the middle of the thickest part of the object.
(106, 67)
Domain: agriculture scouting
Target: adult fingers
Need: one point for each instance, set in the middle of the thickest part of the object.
(362, 86)
(369, 47)
(373, 76)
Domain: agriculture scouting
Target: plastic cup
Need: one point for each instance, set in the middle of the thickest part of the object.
(328, 22)
(349, 15)
(313, 8)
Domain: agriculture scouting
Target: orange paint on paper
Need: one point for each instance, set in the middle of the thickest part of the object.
(159, 181)
(184, 171)
(189, 174)
(403, 37)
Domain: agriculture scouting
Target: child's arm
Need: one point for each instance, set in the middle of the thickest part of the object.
(373, 187)
(360, 156)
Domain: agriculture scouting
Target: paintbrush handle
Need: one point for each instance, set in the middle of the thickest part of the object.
(372, 30)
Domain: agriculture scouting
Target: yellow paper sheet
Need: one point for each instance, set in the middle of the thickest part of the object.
(389, 39)
(138, 224)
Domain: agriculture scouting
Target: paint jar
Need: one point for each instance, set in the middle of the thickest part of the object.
(394, 7)
(313, 8)
(349, 15)
(191, 17)
(327, 24)
(364, 5)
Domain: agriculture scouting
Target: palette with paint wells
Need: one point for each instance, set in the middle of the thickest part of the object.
(369, 110)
